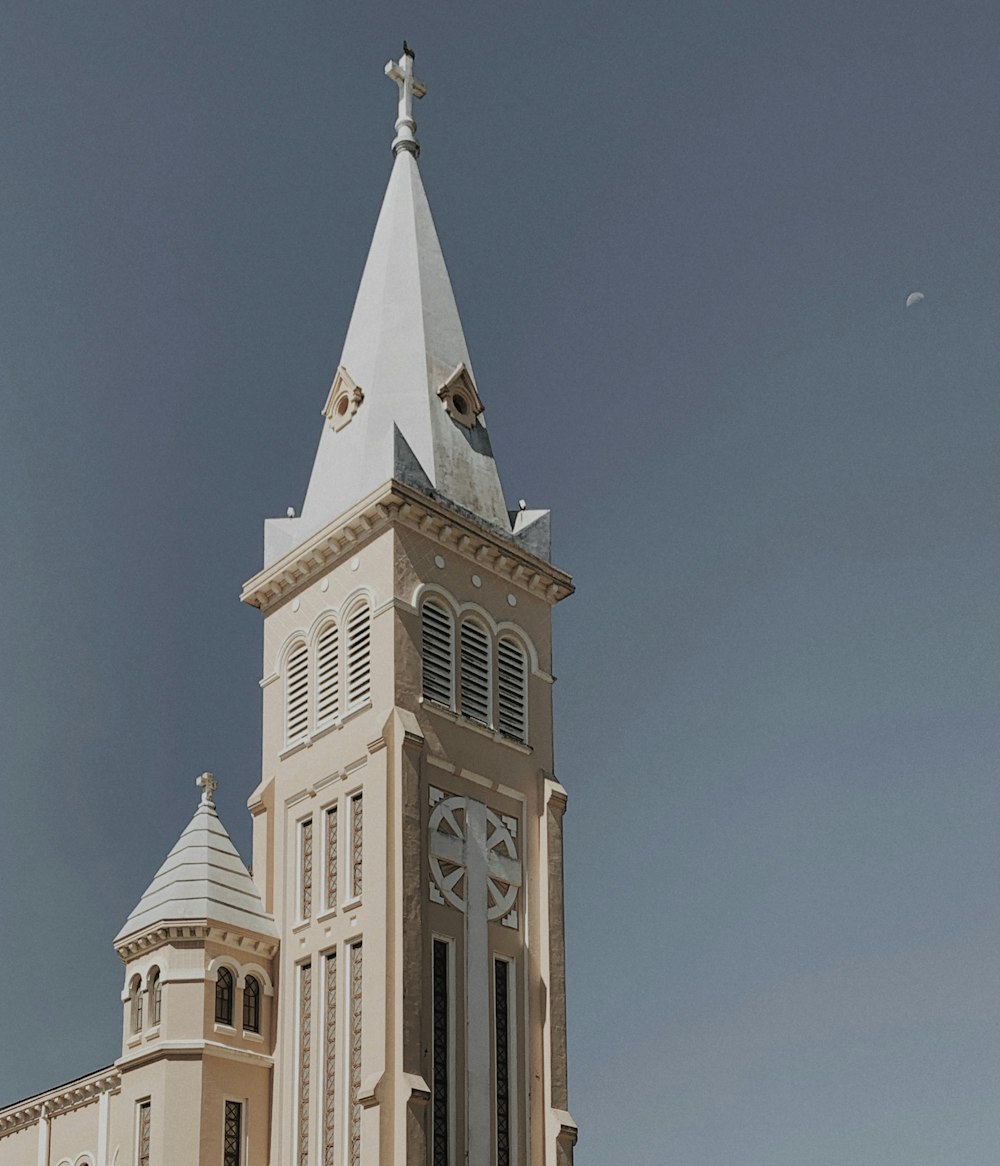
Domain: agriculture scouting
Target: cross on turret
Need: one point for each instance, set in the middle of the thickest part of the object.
(401, 72)
(208, 786)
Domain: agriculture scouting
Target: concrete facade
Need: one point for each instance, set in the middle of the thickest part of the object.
(395, 970)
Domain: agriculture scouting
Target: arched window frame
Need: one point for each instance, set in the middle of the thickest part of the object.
(296, 691)
(251, 1004)
(154, 990)
(357, 653)
(437, 642)
(135, 1003)
(225, 983)
(510, 695)
(475, 681)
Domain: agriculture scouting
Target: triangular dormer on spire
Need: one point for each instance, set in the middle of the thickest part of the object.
(395, 410)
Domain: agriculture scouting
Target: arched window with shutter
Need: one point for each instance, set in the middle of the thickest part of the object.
(474, 672)
(327, 675)
(359, 651)
(251, 1005)
(512, 688)
(224, 997)
(296, 693)
(437, 637)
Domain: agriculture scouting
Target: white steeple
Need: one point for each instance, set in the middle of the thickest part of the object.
(202, 879)
(404, 402)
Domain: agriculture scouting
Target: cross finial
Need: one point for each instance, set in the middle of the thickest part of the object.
(208, 786)
(401, 72)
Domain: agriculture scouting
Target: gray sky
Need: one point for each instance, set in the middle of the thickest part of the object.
(681, 238)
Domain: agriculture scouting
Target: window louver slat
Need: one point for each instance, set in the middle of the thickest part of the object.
(359, 656)
(438, 654)
(474, 689)
(328, 675)
(512, 669)
(297, 693)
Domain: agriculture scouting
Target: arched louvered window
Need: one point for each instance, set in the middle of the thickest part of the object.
(437, 637)
(327, 675)
(512, 688)
(296, 693)
(251, 1005)
(474, 679)
(224, 997)
(359, 653)
(135, 1002)
(155, 996)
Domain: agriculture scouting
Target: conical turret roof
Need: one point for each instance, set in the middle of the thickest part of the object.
(203, 878)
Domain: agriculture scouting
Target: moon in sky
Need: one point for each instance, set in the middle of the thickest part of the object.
(914, 298)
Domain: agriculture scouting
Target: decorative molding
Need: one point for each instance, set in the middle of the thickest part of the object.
(198, 930)
(394, 504)
(62, 1099)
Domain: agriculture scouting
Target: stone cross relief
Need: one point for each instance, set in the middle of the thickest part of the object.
(475, 869)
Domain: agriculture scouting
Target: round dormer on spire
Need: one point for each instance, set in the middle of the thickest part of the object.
(401, 72)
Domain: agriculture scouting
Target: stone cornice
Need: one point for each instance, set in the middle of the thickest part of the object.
(394, 503)
(62, 1099)
(197, 931)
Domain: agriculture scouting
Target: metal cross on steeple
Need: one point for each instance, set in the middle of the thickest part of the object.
(208, 786)
(401, 72)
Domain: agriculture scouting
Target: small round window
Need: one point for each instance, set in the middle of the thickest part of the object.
(460, 404)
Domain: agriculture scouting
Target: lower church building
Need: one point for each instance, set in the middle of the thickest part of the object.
(388, 986)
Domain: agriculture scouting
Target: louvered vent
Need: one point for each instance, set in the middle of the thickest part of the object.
(438, 654)
(475, 681)
(297, 694)
(359, 637)
(513, 689)
(328, 675)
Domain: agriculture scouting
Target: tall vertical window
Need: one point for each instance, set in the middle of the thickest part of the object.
(251, 1004)
(501, 991)
(330, 882)
(232, 1137)
(512, 688)
(327, 675)
(441, 1118)
(305, 868)
(142, 1134)
(224, 997)
(305, 1061)
(357, 845)
(297, 693)
(359, 635)
(155, 996)
(135, 1003)
(474, 663)
(438, 652)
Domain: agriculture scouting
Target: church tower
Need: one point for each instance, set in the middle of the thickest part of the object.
(408, 824)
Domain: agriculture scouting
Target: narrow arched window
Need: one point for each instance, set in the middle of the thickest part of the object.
(135, 999)
(359, 651)
(512, 689)
(296, 693)
(327, 675)
(224, 997)
(155, 996)
(437, 639)
(474, 664)
(251, 1005)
